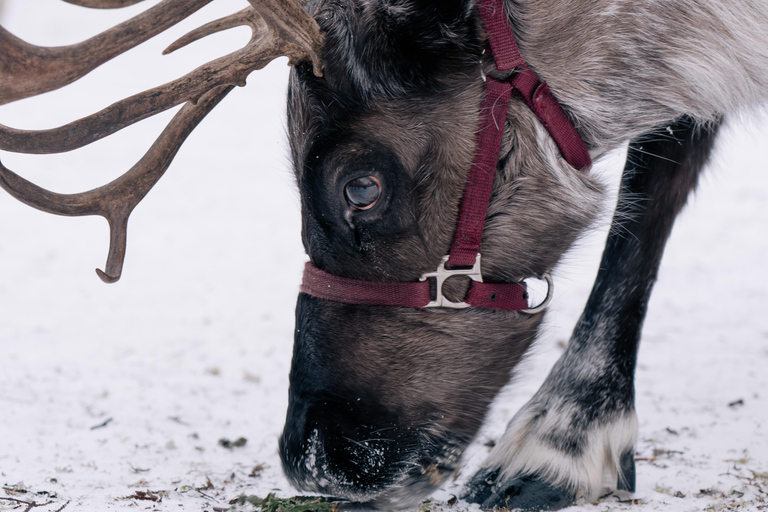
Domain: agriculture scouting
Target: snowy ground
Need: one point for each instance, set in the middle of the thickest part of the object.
(108, 392)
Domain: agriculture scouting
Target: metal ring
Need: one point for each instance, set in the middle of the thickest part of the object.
(547, 299)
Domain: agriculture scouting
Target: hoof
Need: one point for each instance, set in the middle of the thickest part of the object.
(527, 492)
(480, 487)
(627, 473)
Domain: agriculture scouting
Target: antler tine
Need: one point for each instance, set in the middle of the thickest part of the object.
(292, 30)
(107, 121)
(27, 70)
(103, 4)
(116, 201)
(296, 28)
(280, 28)
(289, 31)
(244, 17)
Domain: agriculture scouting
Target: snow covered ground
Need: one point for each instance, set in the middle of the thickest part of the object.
(108, 392)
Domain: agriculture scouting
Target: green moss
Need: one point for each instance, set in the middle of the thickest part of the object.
(296, 504)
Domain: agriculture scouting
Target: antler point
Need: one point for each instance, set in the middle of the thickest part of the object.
(106, 278)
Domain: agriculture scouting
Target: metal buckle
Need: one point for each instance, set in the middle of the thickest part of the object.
(442, 274)
(547, 299)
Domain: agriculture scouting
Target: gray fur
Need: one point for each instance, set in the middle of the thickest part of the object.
(620, 68)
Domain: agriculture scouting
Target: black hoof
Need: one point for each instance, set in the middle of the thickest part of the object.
(526, 493)
(480, 487)
(628, 474)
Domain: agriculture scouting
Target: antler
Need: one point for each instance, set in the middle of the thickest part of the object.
(103, 4)
(27, 70)
(279, 27)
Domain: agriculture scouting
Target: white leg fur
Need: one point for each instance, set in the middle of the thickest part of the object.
(528, 447)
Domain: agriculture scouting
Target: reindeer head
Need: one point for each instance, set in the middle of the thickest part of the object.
(383, 400)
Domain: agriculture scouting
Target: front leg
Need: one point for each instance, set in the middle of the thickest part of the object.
(580, 427)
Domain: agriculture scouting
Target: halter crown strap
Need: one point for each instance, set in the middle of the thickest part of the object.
(529, 87)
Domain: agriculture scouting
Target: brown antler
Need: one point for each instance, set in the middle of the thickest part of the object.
(115, 201)
(103, 4)
(280, 28)
(27, 70)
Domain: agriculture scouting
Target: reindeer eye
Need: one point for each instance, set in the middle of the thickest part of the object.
(362, 193)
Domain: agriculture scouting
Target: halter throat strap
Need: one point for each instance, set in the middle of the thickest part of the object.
(526, 85)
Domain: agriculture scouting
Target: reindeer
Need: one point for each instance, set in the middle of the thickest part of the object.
(395, 363)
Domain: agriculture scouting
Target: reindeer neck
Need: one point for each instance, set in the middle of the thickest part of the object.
(620, 68)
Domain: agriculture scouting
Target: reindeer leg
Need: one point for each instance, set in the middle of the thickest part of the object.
(581, 424)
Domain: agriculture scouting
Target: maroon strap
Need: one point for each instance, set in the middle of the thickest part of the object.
(536, 94)
(500, 35)
(477, 194)
(352, 291)
(505, 296)
(529, 87)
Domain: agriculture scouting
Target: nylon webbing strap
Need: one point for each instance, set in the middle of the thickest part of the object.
(503, 296)
(500, 35)
(477, 194)
(536, 94)
(352, 291)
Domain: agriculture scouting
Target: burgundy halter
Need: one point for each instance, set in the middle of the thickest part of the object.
(464, 256)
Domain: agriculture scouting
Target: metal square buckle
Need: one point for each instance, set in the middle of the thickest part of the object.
(442, 274)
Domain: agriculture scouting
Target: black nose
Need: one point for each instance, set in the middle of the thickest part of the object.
(338, 438)
(345, 448)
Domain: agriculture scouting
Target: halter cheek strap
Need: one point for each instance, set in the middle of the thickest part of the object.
(464, 257)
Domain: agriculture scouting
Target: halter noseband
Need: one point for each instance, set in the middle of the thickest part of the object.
(464, 256)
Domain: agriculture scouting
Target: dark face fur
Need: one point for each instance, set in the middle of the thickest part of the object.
(383, 400)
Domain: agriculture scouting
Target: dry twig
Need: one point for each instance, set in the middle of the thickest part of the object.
(30, 504)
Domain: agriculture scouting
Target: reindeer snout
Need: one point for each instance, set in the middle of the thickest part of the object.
(340, 441)
(354, 451)
(331, 448)
(345, 435)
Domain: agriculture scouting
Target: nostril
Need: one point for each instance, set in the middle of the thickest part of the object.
(303, 460)
(382, 465)
(335, 452)
(334, 464)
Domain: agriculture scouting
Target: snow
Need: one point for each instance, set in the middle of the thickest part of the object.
(110, 391)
